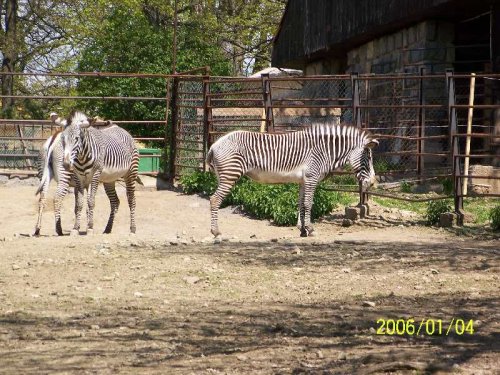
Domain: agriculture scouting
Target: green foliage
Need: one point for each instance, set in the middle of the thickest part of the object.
(199, 183)
(343, 180)
(405, 187)
(129, 41)
(277, 202)
(383, 166)
(435, 209)
(447, 185)
(495, 218)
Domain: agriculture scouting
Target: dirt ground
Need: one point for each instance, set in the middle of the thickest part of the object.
(169, 300)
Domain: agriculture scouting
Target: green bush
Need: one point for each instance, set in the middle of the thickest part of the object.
(405, 187)
(447, 186)
(435, 209)
(344, 180)
(495, 217)
(203, 183)
(277, 202)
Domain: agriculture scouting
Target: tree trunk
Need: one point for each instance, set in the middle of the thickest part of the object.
(9, 53)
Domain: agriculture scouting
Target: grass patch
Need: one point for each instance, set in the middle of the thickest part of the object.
(418, 207)
(480, 208)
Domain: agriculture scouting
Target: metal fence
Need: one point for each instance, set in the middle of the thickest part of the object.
(419, 120)
(431, 128)
(22, 138)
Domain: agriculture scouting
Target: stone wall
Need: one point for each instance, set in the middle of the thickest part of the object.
(428, 44)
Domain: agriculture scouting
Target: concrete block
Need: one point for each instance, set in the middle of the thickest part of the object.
(447, 219)
(357, 212)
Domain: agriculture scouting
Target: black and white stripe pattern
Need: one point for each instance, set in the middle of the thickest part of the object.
(303, 157)
(96, 155)
(50, 166)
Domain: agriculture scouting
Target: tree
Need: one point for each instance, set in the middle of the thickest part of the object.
(9, 52)
(242, 29)
(34, 36)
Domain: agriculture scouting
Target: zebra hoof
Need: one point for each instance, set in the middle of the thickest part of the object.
(37, 232)
(303, 233)
(74, 232)
(216, 233)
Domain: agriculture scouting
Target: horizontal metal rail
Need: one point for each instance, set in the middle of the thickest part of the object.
(54, 97)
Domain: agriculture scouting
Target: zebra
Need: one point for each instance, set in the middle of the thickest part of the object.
(50, 166)
(95, 155)
(305, 157)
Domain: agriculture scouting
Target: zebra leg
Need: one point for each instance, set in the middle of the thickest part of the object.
(309, 188)
(62, 190)
(94, 184)
(130, 185)
(300, 215)
(223, 189)
(41, 206)
(114, 202)
(79, 192)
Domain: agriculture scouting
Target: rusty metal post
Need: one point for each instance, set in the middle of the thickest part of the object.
(454, 148)
(267, 100)
(421, 125)
(207, 119)
(356, 120)
(356, 109)
(173, 128)
(167, 133)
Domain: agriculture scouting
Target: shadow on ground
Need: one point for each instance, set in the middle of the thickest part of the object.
(333, 336)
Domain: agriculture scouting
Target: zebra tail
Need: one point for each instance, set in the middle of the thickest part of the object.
(209, 160)
(45, 156)
(139, 181)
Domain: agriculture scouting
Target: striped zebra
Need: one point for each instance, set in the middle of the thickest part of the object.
(95, 155)
(50, 166)
(305, 157)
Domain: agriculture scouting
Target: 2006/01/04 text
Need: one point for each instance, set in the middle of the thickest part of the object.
(428, 327)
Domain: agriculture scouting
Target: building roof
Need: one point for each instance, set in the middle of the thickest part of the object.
(311, 29)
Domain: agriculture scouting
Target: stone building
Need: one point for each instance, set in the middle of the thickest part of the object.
(324, 37)
(385, 36)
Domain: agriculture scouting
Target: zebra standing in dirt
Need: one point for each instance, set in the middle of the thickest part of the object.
(95, 155)
(305, 157)
(50, 166)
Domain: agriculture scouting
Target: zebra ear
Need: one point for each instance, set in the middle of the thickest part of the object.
(85, 124)
(372, 143)
(57, 120)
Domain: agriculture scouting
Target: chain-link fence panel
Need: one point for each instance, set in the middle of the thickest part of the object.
(409, 115)
(189, 141)
(300, 102)
(235, 104)
(20, 142)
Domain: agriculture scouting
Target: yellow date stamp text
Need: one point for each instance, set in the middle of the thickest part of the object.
(424, 327)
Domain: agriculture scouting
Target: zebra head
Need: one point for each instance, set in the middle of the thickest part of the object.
(72, 136)
(361, 160)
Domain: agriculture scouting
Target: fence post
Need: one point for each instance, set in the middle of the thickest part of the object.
(421, 125)
(356, 120)
(167, 133)
(207, 118)
(356, 110)
(454, 148)
(173, 129)
(267, 100)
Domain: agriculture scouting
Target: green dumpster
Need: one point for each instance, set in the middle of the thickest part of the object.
(149, 159)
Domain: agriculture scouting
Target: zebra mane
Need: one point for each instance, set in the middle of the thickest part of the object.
(77, 117)
(332, 125)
